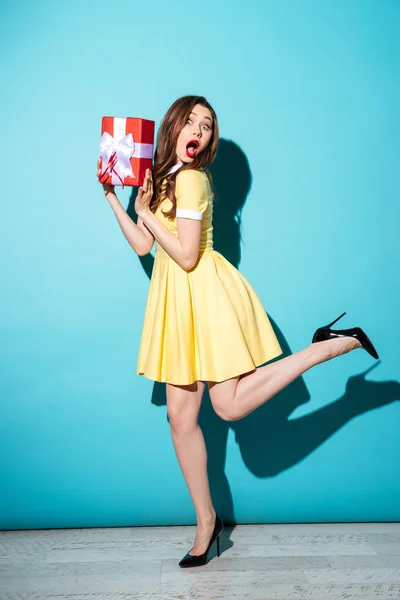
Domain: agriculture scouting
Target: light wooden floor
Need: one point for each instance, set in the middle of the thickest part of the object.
(260, 562)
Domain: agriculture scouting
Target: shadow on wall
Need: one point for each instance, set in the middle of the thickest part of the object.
(269, 440)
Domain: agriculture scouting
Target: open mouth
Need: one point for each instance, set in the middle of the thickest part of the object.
(191, 148)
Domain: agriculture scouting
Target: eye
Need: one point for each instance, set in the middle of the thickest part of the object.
(206, 126)
(188, 121)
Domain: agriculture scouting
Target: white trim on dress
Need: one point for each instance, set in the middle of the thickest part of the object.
(189, 213)
(175, 168)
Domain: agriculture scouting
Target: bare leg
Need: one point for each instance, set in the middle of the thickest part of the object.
(183, 405)
(237, 397)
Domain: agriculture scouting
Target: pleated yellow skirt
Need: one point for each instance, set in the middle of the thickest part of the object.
(206, 324)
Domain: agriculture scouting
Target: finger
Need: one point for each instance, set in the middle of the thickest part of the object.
(146, 183)
(150, 178)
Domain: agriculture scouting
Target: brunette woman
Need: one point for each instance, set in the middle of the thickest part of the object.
(204, 323)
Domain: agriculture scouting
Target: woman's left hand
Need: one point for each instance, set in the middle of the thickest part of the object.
(145, 193)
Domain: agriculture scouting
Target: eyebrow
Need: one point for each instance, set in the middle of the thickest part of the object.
(193, 113)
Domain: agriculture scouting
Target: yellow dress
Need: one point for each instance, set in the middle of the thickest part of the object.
(205, 324)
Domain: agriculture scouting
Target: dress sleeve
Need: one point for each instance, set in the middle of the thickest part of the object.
(191, 194)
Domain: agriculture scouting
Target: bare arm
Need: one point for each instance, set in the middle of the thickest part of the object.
(183, 249)
(134, 233)
(148, 234)
(137, 235)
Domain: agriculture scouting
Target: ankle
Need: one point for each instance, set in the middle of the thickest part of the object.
(206, 517)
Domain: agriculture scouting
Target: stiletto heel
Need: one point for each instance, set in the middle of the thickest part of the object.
(191, 560)
(325, 333)
(336, 320)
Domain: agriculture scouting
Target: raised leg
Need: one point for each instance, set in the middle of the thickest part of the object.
(238, 397)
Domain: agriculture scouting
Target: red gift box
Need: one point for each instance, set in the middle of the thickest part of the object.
(126, 150)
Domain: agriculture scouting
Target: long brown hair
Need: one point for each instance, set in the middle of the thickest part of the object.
(165, 154)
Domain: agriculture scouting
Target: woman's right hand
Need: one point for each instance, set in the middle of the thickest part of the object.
(106, 187)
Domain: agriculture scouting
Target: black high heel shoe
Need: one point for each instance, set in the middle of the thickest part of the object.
(324, 333)
(192, 560)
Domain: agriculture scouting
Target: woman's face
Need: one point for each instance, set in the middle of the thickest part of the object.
(196, 134)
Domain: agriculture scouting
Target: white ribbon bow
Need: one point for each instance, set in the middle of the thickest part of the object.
(124, 150)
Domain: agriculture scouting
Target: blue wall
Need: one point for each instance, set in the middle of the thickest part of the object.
(307, 95)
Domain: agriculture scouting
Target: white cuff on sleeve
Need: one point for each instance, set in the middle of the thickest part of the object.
(188, 213)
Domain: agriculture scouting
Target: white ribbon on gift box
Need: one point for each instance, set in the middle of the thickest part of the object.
(125, 148)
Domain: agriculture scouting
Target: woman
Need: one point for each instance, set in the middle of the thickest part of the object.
(204, 324)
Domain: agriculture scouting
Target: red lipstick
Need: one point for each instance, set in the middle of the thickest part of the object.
(191, 148)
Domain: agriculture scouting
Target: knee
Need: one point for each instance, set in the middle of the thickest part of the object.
(227, 411)
(181, 420)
